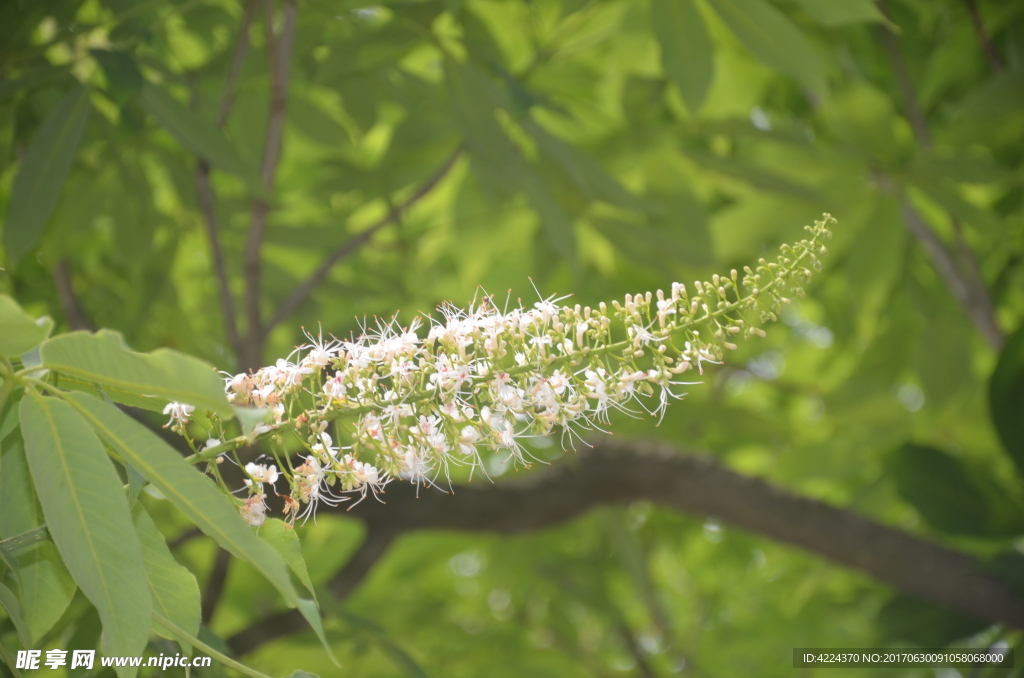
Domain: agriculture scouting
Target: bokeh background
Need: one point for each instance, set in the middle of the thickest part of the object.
(214, 175)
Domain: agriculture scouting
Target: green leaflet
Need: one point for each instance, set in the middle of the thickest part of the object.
(88, 519)
(686, 51)
(10, 605)
(193, 493)
(286, 542)
(309, 610)
(21, 333)
(773, 39)
(164, 374)
(42, 174)
(174, 589)
(44, 587)
(194, 133)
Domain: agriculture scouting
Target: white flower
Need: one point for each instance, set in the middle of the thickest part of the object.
(262, 474)
(180, 412)
(254, 510)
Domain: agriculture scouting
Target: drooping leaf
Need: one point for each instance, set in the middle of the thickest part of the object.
(686, 51)
(41, 175)
(1006, 398)
(174, 589)
(20, 332)
(773, 39)
(311, 613)
(88, 519)
(192, 492)
(192, 131)
(164, 374)
(10, 605)
(44, 587)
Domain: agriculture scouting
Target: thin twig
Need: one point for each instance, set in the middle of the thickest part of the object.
(300, 293)
(281, 51)
(69, 301)
(994, 60)
(215, 584)
(227, 99)
(969, 290)
(964, 281)
(204, 190)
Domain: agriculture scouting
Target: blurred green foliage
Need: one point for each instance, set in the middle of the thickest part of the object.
(603, 146)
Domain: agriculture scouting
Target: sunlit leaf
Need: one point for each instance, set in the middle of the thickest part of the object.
(21, 333)
(192, 492)
(88, 519)
(163, 374)
(174, 589)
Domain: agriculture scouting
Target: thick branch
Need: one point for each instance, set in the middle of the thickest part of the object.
(281, 52)
(994, 60)
(227, 99)
(69, 301)
(300, 293)
(617, 472)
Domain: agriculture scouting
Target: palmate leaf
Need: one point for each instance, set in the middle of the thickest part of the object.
(42, 174)
(88, 519)
(126, 375)
(193, 493)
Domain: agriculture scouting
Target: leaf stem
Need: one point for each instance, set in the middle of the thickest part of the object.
(182, 634)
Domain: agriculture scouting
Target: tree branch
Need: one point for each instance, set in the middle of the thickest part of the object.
(69, 301)
(215, 584)
(281, 54)
(994, 60)
(204, 190)
(967, 286)
(300, 293)
(616, 472)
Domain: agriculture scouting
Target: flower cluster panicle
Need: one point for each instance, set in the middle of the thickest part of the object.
(412, 404)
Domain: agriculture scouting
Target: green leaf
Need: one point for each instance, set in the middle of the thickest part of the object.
(192, 492)
(941, 489)
(21, 333)
(839, 12)
(21, 509)
(10, 605)
(164, 374)
(193, 132)
(401, 659)
(285, 541)
(1006, 398)
(45, 589)
(686, 52)
(40, 178)
(174, 589)
(88, 519)
(773, 39)
(123, 77)
(311, 612)
(250, 417)
(303, 674)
